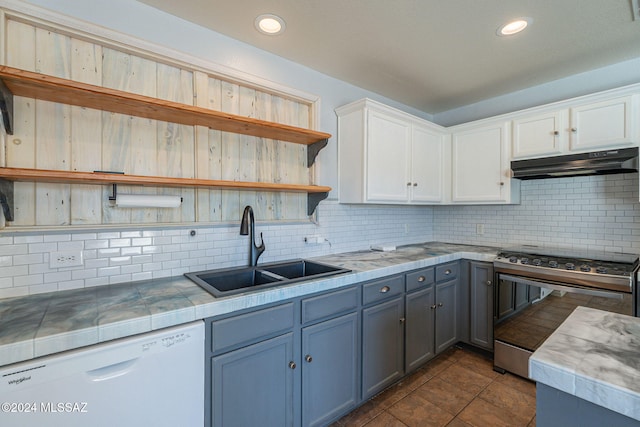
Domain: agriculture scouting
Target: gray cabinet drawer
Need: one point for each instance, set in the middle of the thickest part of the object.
(248, 328)
(420, 279)
(327, 305)
(382, 289)
(447, 271)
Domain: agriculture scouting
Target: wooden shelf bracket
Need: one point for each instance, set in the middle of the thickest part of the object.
(314, 149)
(313, 199)
(6, 107)
(6, 198)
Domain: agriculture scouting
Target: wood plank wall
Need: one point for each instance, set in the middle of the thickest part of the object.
(56, 136)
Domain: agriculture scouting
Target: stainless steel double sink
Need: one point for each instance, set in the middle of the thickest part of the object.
(229, 281)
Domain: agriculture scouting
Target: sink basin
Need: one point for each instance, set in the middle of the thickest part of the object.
(235, 280)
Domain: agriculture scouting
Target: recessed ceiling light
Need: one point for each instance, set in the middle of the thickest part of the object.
(514, 27)
(270, 24)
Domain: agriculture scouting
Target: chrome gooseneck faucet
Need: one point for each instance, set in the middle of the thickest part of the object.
(247, 226)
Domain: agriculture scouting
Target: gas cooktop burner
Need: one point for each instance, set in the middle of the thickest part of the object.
(601, 263)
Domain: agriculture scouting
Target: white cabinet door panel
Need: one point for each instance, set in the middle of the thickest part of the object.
(602, 125)
(388, 159)
(539, 135)
(427, 164)
(479, 171)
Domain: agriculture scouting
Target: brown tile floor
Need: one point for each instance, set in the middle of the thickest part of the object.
(456, 389)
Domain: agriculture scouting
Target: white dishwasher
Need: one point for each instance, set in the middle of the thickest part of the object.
(154, 379)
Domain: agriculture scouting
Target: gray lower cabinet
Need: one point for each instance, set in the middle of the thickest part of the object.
(254, 385)
(330, 362)
(419, 327)
(481, 304)
(446, 314)
(382, 334)
(292, 364)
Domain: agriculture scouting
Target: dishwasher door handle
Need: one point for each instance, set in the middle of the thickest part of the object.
(112, 371)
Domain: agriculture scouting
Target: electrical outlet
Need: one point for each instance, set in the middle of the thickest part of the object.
(65, 259)
(480, 229)
(314, 239)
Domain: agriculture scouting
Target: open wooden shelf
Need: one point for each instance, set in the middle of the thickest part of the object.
(74, 177)
(315, 193)
(49, 88)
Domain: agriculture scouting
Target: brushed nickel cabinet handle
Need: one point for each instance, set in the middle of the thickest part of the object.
(433, 307)
(308, 358)
(440, 304)
(447, 272)
(488, 282)
(384, 289)
(421, 279)
(292, 365)
(402, 320)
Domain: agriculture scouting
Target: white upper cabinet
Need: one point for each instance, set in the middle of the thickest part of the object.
(427, 164)
(388, 156)
(539, 135)
(603, 124)
(480, 165)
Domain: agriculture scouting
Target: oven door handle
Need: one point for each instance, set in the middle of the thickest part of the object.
(555, 287)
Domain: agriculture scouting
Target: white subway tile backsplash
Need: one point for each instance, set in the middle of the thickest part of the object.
(586, 212)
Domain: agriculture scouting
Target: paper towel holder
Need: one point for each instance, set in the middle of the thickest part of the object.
(114, 198)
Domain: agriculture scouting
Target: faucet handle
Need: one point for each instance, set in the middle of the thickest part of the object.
(261, 247)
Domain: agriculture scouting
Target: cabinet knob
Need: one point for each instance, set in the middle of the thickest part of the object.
(408, 184)
(574, 130)
(384, 289)
(292, 364)
(440, 304)
(421, 279)
(308, 358)
(488, 282)
(415, 184)
(447, 272)
(433, 307)
(501, 183)
(402, 319)
(556, 133)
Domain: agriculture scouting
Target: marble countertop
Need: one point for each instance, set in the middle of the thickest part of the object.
(593, 355)
(42, 324)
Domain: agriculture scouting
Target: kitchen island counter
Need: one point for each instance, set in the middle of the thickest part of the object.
(42, 324)
(590, 363)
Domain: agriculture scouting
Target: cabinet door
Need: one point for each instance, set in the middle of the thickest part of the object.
(427, 165)
(254, 385)
(480, 165)
(446, 315)
(539, 135)
(603, 124)
(481, 287)
(419, 328)
(388, 145)
(330, 365)
(382, 346)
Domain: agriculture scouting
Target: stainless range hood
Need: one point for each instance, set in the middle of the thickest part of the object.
(594, 163)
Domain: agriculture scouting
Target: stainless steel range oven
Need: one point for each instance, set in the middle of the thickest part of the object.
(537, 288)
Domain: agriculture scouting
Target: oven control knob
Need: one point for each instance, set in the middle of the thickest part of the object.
(553, 264)
(570, 266)
(513, 259)
(536, 261)
(585, 268)
(524, 261)
(601, 269)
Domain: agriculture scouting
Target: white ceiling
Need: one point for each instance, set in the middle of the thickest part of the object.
(433, 55)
